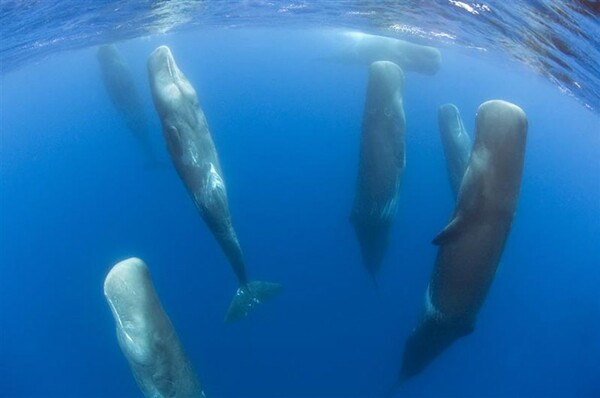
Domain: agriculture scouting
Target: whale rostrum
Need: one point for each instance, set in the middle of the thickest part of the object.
(146, 336)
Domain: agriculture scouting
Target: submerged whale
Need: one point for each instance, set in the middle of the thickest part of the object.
(363, 48)
(145, 334)
(471, 244)
(123, 94)
(381, 164)
(194, 155)
(456, 143)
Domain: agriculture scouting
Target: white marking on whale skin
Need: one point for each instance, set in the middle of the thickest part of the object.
(194, 155)
(389, 210)
(145, 334)
(213, 190)
(171, 92)
(214, 179)
(381, 211)
(119, 321)
(191, 157)
(431, 310)
(170, 69)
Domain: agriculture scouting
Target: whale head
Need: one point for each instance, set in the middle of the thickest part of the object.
(173, 95)
(501, 133)
(132, 299)
(108, 53)
(501, 126)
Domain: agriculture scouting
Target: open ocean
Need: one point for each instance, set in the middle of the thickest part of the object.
(77, 195)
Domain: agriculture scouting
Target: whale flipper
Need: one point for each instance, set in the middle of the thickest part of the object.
(450, 232)
(471, 246)
(249, 296)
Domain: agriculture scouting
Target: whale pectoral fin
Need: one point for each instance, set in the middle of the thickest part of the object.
(450, 232)
(173, 141)
(249, 296)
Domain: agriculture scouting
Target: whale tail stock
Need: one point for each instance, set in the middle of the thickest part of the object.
(249, 296)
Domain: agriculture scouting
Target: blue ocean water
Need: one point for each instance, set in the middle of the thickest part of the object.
(75, 198)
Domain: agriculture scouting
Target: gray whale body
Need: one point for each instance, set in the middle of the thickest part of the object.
(123, 94)
(195, 158)
(471, 245)
(456, 143)
(382, 162)
(363, 48)
(146, 336)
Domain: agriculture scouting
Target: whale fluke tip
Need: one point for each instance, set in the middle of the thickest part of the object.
(249, 296)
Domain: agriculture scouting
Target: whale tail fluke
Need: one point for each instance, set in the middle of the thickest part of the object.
(249, 296)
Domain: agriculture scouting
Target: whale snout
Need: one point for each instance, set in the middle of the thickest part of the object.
(170, 88)
(501, 124)
(130, 294)
(128, 289)
(161, 63)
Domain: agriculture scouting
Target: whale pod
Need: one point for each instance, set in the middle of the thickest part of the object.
(471, 245)
(145, 334)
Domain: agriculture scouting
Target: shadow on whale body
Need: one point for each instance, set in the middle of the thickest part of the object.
(456, 143)
(145, 334)
(363, 48)
(381, 162)
(471, 245)
(123, 94)
(195, 158)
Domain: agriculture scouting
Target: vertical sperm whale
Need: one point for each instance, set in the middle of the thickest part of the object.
(145, 334)
(471, 245)
(195, 157)
(123, 94)
(456, 143)
(381, 162)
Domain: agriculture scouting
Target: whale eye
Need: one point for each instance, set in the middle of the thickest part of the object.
(387, 111)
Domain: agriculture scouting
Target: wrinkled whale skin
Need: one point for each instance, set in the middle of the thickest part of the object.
(193, 153)
(472, 243)
(145, 333)
(381, 163)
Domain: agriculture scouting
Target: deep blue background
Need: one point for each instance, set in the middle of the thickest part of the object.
(76, 198)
